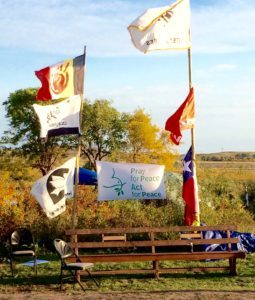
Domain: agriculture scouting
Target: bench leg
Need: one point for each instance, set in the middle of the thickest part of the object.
(155, 264)
(78, 276)
(232, 266)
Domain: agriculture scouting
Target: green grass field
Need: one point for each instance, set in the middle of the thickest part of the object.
(48, 275)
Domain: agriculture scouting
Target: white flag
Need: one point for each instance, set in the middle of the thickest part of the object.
(118, 181)
(162, 28)
(52, 189)
(60, 118)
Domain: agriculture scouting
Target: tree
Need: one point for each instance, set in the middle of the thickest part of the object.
(104, 130)
(17, 206)
(24, 131)
(146, 142)
(166, 156)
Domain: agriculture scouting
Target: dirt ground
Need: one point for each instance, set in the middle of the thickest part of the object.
(190, 295)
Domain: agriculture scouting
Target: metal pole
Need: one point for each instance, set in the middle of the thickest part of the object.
(74, 210)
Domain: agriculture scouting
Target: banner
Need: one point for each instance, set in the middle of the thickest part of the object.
(119, 181)
(62, 80)
(162, 28)
(60, 118)
(51, 190)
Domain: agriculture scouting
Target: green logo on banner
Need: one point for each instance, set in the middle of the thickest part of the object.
(117, 186)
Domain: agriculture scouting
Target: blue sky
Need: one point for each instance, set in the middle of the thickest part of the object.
(35, 34)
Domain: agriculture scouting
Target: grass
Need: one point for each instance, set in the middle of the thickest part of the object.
(230, 165)
(48, 276)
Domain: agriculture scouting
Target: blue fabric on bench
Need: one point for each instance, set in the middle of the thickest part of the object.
(246, 241)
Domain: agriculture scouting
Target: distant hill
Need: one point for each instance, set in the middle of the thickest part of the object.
(227, 156)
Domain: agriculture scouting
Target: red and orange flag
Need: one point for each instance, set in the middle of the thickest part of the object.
(183, 118)
(62, 80)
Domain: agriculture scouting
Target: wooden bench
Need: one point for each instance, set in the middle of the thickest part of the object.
(179, 243)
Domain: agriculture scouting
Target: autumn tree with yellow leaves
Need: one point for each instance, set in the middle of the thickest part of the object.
(146, 142)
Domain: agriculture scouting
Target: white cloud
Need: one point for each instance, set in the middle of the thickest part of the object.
(222, 68)
(65, 26)
(225, 28)
(215, 69)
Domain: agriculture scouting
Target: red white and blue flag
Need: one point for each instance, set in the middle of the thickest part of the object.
(190, 191)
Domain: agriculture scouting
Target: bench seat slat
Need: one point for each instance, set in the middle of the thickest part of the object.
(161, 256)
(152, 271)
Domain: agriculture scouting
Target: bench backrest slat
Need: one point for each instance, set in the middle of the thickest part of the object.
(153, 243)
(191, 235)
(107, 238)
(150, 229)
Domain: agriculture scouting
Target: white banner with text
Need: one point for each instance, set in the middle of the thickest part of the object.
(120, 181)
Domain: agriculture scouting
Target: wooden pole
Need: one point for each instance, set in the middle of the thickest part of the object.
(74, 210)
(197, 217)
(190, 86)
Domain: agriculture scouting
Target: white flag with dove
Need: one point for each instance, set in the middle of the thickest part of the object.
(51, 190)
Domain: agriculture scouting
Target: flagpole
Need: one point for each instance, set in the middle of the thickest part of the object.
(197, 217)
(74, 209)
(190, 86)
